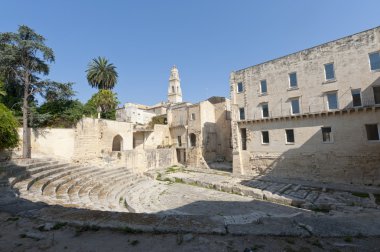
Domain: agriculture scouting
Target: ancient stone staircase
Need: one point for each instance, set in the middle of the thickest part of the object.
(58, 182)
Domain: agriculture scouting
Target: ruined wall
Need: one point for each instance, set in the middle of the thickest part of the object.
(142, 160)
(160, 137)
(95, 136)
(223, 130)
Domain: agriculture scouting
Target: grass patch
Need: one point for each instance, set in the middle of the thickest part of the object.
(86, 228)
(59, 225)
(134, 242)
(173, 169)
(178, 180)
(320, 210)
(257, 247)
(129, 230)
(377, 198)
(361, 195)
(348, 239)
(317, 243)
(290, 241)
(13, 219)
(159, 176)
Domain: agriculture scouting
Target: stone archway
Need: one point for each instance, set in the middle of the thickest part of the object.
(117, 143)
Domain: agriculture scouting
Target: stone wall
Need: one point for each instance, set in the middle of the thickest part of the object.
(142, 160)
(95, 136)
(57, 143)
(349, 158)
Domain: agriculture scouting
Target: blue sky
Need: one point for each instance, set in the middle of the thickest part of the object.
(206, 39)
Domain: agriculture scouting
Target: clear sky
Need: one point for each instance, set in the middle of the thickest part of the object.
(206, 39)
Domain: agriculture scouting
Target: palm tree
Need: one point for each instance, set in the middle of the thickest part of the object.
(101, 74)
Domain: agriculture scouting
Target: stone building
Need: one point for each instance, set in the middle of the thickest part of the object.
(201, 132)
(313, 114)
(143, 114)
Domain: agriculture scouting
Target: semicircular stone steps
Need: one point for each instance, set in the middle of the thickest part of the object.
(40, 184)
(113, 196)
(20, 173)
(62, 190)
(79, 188)
(24, 180)
(88, 195)
(137, 197)
(52, 187)
(57, 182)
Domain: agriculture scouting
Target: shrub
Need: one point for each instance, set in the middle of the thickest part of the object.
(8, 129)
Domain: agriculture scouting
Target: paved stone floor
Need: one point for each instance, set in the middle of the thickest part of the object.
(174, 200)
(23, 234)
(177, 198)
(301, 194)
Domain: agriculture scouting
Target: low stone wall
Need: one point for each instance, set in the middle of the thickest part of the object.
(139, 161)
(333, 167)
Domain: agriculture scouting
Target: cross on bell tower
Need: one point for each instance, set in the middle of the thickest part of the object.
(174, 91)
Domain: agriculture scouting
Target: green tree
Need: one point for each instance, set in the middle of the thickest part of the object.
(2, 88)
(24, 56)
(106, 100)
(8, 129)
(61, 113)
(101, 74)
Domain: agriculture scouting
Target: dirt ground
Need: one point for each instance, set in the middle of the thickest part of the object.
(23, 234)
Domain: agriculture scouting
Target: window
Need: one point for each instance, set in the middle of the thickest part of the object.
(329, 71)
(193, 140)
(265, 137)
(241, 114)
(293, 80)
(173, 90)
(372, 132)
(243, 138)
(376, 94)
(332, 101)
(289, 136)
(295, 105)
(179, 141)
(326, 135)
(240, 87)
(263, 87)
(374, 60)
(356, 98)
(264, 110)
(193, 116)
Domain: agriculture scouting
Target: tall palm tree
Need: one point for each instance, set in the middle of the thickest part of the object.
(101, 74)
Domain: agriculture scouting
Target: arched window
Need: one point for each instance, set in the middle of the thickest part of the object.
(117, 143)
(173, 90)
(193, 140)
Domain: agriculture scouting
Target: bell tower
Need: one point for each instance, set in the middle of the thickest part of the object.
(174, 91)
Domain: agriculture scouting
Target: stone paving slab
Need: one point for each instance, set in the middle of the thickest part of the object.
(276, 192)
(135, 222)
(297, 225)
